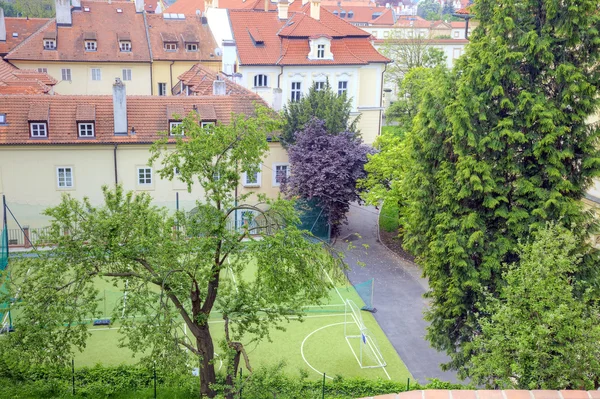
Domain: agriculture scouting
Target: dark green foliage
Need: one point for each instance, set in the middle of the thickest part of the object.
(448, 8)
(321, 104)
(429, 9)
(10, 9)
(498, 149)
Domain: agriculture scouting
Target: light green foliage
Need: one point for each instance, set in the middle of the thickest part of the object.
(497, 148)
(324, 104)
(429, 9)
(172, 263)
(35, 8)
(388, 217)
(540, 334)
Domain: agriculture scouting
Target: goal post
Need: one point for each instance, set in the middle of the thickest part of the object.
(362, 343)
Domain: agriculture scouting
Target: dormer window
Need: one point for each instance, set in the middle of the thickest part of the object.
(191, 47)
(38, 129)
(170, 46)
(125, 46)
(86, 117)
(320, 51)
(86, 129)
(191, 41)
(175, 128)
(170, 41)
(39, 114)
(89, 41)
(49, 44)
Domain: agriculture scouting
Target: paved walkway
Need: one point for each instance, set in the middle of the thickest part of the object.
(398, 294)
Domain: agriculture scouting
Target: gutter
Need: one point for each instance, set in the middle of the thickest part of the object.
(115, 160)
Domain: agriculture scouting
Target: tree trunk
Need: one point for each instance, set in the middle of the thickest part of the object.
(231, 376)
(207, 368)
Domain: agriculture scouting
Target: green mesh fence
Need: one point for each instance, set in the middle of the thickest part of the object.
(313, 219)
(365, 291)
(4, 248)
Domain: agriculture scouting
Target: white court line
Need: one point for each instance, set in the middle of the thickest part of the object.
(308, 336)
(336, 290)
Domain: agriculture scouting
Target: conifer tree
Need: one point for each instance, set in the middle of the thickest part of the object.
(500, 147)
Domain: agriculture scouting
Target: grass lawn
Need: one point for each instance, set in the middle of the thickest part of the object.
(388, 217)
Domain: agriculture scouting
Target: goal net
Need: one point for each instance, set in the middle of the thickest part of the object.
(362, 343)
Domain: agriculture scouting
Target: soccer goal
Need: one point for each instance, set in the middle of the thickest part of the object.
(362, 343)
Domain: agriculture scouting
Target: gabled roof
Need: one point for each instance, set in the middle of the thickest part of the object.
(373, 15)
(189, 7)
(103, 20)
(19, 29)
(187, 30)
(287, 42)
(200, 80)
(147, 115)
(23, 81)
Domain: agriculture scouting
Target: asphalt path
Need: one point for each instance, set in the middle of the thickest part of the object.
(398, 294)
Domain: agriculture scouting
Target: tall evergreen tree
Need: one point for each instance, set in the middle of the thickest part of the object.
(498, 148)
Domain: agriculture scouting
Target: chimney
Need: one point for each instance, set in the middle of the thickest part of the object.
(139, 5)
(63, 13)
(267, 2)
(215, 3)
(282, 9)
(158, 9)
(2, 26)
(315, 9)
(120, 107)
(76, 4)
(219, 87)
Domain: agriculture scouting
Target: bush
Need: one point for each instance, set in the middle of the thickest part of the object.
(388, 217)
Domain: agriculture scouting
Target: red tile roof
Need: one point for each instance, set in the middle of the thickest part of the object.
(19, 29)
(189, 7)
(105, 22)
(190, 29)
(23, 81)
(364, 14)
(200, 81)
(147, 115)
(287, 42)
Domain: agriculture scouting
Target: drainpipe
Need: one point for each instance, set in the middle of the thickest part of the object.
(115, 160)
(171, 77)
(381, 98)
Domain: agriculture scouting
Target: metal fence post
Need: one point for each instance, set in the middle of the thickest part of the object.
(154, 380)
(323, 385)
(73, 374)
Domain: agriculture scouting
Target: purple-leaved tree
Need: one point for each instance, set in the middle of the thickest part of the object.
(326, 167)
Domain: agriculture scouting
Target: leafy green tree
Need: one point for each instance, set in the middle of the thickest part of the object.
(174, 266)
(324, 104)
(429, 9)
(35, 8)
(539, 333)
(500, 146)
(448, 8)
(10, 9)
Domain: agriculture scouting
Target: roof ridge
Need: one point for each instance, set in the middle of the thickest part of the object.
(18, 46)
(365, 33)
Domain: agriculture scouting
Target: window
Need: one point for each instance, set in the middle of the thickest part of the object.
(190, 47)
(319, 86)
(64, 177)
(374, 33)
(126, 74)
(96, 74)
(144, 176)
(342, 87)
(260, 81)
(174, 129)
(205, 124)
(86, 129)
(49, 44)
(280, 173)
(66, 74)
(43, 70)
(170, 46)
(125, 46)
(296, 91)
(90, 45)
(320, 51)
(39, 130)
(2, 119)
(251, 179)
(456, 34)
(162, 89)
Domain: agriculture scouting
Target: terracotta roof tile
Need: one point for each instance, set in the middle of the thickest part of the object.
(70, 39)
(85, 112)
(181, 31)
(363, 14)
(189, 7)
(200, 81)
(175, 112)
(147, 115)
(19, 29)
(23, 81)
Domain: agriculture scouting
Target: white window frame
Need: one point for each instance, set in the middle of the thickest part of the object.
(36, 132)
(287, 172)
(205, 124)
(320, 51)
(174, 124)
(86, 129)
(43, 70)
(170, 46)
(66, 74)
(456, 34)
(319, 85)
(49, 44)
(2, 119)
(258, 182)
(145, 177)
(126, 74)
(91, 45)
(68, 181)
(343, 89)
(191, 47)
(162, 89)
(296, 93)
(125, 46)
(261, 80)
(97, 74)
